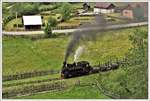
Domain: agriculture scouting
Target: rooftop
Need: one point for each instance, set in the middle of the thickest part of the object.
(32, 20)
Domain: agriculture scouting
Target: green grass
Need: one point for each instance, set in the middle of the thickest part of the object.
(31, 79)
(24, 55)
(10, 25)
(73, 93)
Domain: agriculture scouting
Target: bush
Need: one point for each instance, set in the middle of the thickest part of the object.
(45, 8)
(52, 21)
(48, 30)
(19, 25)
(7, 19)
(66, 11)
(130, 81)
(30, 9)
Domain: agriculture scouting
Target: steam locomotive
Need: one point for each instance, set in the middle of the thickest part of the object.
(83, 68)
(75, 69)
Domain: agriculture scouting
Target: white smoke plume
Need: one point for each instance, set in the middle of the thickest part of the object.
(78, 52)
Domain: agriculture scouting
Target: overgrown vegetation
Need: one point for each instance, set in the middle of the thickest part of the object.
(66, 11)
(48, 29)
(131, 81)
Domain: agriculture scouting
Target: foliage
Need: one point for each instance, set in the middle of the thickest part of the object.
(130, 81)
(52, 21)
(138, 64)
(48, 29)
(7, 19)
(24, 9)
(19, 9)
(47, 7)
(66, 11)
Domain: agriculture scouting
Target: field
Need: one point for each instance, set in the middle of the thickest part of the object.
(32, 64)
(24, 55)
(74, 92)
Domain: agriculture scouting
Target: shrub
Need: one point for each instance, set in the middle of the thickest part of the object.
(66, 11)
(52, 21)
(48, 30)
(7, 19)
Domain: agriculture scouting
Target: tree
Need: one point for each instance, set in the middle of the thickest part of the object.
(66, 11)
(52, 21)
(130, 81)
(48, 29)
(25, 8)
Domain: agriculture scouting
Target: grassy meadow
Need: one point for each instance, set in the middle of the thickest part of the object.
(22, 54)
(74, 92)
(25, 55)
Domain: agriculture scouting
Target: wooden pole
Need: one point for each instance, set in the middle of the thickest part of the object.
(16, 20)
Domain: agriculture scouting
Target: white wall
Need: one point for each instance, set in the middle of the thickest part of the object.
(98, 10)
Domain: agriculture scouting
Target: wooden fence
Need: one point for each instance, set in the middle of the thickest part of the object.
(29, 82)
(32, 89)
(29, 75)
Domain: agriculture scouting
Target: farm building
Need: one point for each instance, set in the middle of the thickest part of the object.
(32, 22)
(135, 11)
(104, 7)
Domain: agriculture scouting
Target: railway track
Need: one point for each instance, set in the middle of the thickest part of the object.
(57, 84)
(96, 69)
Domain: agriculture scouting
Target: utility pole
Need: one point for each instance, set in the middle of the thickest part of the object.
(16, 20)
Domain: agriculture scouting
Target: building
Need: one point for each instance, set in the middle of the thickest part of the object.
(128, 12)
(33, 22)
(104, 8)
(135, 11)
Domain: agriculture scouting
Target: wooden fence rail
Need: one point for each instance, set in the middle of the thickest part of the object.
(29, 75)
(32, 89)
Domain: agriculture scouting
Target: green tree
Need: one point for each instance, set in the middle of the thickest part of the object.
(25, 8)
(48, 28)
(130, 81)
(66, 11)
(52, 21)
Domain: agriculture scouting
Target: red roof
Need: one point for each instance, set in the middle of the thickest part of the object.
(103, 5)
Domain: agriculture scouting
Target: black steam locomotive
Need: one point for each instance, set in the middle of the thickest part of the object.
(75, 69)
(84, 68)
